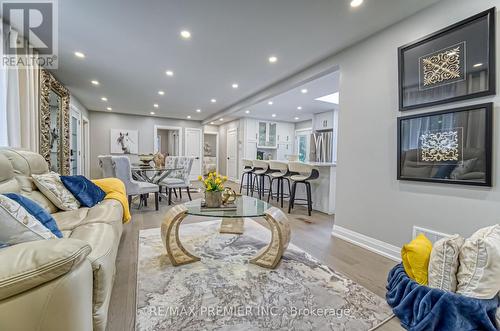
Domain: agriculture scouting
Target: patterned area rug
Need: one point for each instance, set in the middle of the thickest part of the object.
(225, 292)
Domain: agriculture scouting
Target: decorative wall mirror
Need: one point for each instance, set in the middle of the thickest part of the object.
(54, 123)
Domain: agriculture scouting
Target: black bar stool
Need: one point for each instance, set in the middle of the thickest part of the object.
(248, 173)
(301, 173)
(279, 172)
(261, 172)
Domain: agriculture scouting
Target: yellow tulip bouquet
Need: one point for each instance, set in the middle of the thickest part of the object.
(213, 182)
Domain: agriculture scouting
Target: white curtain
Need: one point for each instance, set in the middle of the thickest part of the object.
(18, 101)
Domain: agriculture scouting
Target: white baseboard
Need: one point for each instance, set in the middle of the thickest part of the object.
(374, 245)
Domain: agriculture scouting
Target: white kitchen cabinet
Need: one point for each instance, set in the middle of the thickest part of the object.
(283, 150)
(323, 121)
(251, 129)
(267, 133)
(286, 132)
(251, 150)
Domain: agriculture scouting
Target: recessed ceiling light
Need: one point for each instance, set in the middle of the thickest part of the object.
(185, 34)
(296, 118)
(221, 119)
(198, 110)
(273, 115)
(247, 111)
(109, 108)
(104, 99)
(80, 55)
(155, 105)
(161, 92)
(273, 59)
(477, 65)
(169, 73)
(188, 117)
(212, 123)
(303, 91)
(356, 3)
(94, 82)
(213, 100)
(270, 103)
(299, 108)
(330, 98)
(152, 112)
(234, 85)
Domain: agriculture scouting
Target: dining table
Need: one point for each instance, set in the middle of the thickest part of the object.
(152, 174)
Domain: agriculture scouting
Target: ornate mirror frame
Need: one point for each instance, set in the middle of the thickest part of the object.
(50, 83)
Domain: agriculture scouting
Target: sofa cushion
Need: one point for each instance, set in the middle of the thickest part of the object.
(479, 272)
(18, 226)
(86, 192)
(415, 257)
(34, 263)
(37, 211)
(51, 186)
(443, 264)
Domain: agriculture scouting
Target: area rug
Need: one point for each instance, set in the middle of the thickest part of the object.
(225, 292)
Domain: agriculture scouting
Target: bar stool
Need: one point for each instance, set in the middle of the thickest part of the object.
(261, 171)
(248, 172)
(301, 173)
(279, 172)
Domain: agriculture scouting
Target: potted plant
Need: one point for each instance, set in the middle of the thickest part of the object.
(214, 185)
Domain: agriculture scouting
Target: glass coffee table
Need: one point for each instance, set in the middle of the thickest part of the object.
(233, 223)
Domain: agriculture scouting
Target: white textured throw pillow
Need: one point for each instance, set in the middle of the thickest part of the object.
(18, 226)
(51, 186)
(443, 264)
(479, 272)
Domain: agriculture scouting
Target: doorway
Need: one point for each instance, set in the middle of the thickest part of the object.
(168, 140)
(210, 152)
(75, 142)
(194, 150)
(232, 154)
(85, 159)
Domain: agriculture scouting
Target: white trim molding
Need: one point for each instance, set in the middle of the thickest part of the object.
(374, 245)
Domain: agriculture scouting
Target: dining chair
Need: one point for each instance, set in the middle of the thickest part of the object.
(134, 187)
(179, 179)
(106, 165)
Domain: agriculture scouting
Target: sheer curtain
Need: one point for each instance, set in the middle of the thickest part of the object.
(18, 100)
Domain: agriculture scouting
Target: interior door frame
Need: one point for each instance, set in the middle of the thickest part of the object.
(86, 133)
(216, 134)
(168, 127)
(201, 148)
(227, 153)
(75, 111)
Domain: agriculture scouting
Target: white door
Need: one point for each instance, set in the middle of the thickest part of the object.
(85, 147)
(232, 154)
(193, 149)
(75, 137)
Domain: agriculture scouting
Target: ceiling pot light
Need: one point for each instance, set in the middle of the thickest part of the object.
(152, 113)
(273, 115)
(247, 111)
(212, 123)
(234, 85)
(270, 103)
(299, 108)
(296, 118)
(303, 91)
(155, 105)
(94, 82)
(356, 3)
(213, 100)
(109, 108)
(169, 73)
(188, 117)
(161, 92)
(221, 119)
(80, 55)
(198, 110)
(185, 34)
(104, 99)
(273, 59)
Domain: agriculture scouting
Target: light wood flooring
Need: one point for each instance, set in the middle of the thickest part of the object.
(312, 234)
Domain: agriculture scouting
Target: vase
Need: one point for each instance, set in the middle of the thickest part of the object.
(213, 199)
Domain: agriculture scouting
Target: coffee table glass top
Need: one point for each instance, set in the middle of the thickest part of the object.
(245, 207)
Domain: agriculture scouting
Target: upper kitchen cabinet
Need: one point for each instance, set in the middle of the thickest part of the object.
(251, 131)
(286, 132)
(323, 121)
(267, 133)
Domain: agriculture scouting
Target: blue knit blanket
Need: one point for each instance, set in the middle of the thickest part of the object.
(423, 308)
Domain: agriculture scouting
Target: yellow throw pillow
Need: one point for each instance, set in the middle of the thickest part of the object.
(416, 256)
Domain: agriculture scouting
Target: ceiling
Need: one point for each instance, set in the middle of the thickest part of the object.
(129, 44)
(285, 106)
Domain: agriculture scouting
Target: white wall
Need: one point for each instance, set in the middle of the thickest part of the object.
(369, 198)
(101, 123)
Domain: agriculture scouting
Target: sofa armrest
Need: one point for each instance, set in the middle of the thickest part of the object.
(30, 264)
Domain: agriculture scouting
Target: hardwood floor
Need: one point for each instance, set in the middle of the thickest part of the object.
(312, 234)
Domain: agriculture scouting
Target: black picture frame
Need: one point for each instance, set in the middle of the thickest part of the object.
(431, 42)
(486, 156)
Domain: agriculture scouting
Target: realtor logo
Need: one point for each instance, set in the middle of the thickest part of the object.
(29, 33)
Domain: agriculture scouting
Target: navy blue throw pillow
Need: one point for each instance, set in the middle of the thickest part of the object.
(37, 212)
(86, 192)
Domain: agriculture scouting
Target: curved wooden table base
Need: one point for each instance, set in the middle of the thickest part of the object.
(267, 257)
